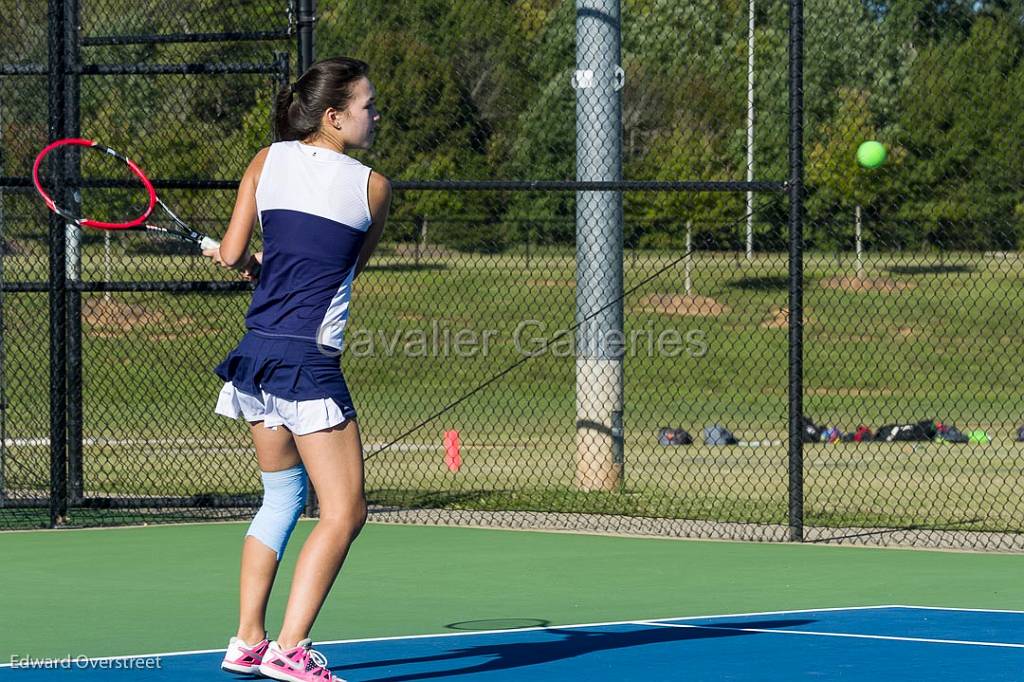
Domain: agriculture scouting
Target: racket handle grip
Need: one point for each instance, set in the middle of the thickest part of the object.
(207, 243)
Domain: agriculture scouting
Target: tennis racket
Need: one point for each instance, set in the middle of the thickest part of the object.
(122, 197)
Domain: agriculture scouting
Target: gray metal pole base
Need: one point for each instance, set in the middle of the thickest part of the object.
(598, 424)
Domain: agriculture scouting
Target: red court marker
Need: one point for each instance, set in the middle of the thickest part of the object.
(452, 457)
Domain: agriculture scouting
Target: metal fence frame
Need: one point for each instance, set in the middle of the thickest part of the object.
(64, 71)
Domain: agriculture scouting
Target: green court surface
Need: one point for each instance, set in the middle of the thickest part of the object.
(169, 588)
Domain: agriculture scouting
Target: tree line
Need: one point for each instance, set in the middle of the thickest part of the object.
(481, 90)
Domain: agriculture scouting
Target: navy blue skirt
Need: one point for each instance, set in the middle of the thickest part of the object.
(292, 369)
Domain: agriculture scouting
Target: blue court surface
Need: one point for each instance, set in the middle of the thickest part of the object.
(863, 643)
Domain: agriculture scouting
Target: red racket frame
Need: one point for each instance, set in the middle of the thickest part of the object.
(87, 222)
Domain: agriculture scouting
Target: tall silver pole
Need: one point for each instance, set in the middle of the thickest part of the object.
(750, 131)
(599, 249)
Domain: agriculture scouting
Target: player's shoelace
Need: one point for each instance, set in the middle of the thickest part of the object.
(319, 663)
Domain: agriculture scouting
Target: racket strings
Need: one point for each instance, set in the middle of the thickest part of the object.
(85, 183)
(94, 186)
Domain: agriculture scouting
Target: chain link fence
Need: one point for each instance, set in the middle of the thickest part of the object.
(582, 313)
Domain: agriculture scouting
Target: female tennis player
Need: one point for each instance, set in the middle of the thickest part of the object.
(322, 213)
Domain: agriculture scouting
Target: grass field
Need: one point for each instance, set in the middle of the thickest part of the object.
(914, 339)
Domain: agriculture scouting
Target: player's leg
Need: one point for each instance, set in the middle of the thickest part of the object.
(284, 497)
(334, 460)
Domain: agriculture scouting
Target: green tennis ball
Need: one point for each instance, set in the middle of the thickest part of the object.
(871, 154)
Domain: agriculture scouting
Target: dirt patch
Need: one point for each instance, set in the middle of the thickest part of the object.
(112, 315)
(175, 336)
(852, 391)
(682, 304)
(9, 247)
(156, 335)
(778, 318)
(882, 284)
(849, 338)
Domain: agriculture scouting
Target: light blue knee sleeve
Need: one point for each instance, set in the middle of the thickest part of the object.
(284, 498)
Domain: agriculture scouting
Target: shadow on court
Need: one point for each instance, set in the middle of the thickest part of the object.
(573, 643)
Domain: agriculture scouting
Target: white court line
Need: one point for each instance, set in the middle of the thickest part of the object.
(953, 608)
(100, 440)
(769, 631)
(495, 632)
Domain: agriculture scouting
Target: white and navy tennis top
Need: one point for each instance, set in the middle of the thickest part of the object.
(314, 213)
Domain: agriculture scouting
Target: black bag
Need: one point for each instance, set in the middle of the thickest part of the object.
(670, 436)
(716, 434)
(921, 431)
(811, 431)
(950, 434)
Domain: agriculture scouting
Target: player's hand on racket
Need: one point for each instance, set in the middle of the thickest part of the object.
(251, 271)
(214, 255)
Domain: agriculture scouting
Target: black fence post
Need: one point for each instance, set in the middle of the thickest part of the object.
(3, 363)
(57, 285)
(307, 19)
(796, 187)
(72, 128)
(283, 63)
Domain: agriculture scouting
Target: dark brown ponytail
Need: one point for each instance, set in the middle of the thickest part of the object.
(299, 108)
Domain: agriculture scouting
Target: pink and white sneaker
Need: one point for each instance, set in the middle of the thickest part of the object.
(301, 664)
(242, 658)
